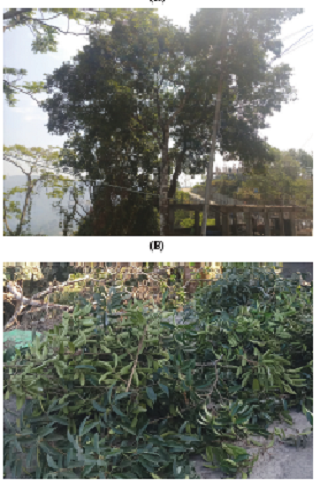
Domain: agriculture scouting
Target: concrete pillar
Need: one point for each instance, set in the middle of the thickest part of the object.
(253, 222)
(247, 216)
(235, 224)
(225, 223)
(171, 219)
(197, 223)
(217, 219)
(267, 226)
(281, 224)
(292, 217)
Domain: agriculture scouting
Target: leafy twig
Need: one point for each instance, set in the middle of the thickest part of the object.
(136, 361)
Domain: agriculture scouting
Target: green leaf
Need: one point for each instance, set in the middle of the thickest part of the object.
(128, 430)
(125, 369)
(60, 420)
(98, 407)
(117, 411)
(141, 431)
(309, 417)
(182, 427)
(85, 366)
(288, 389)
(164, 388)
(87, 309)
(89, 427)
(88, 322)
(110, 392)
(51, 462)
(255, 384)
(20, 401)
(69, 474)
(151, 394)
(134, 422)
(121, 395)
(188, 438)
(82, 426)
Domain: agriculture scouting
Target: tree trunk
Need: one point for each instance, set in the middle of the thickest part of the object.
(177, 172)
(178, 169)
(163, 188)
(208, 183)
(24, 211)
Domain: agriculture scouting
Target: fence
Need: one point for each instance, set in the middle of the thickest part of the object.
(136, 280)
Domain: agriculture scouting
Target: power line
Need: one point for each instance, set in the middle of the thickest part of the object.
(309, 138)
(293, 44)
(298, 46)
(295, 33)
(295, 47)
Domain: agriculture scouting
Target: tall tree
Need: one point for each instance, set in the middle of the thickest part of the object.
(133, 89)
(118, 95)
(259, 89)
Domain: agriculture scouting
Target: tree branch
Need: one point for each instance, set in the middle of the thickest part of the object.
(42, 22)
(16, 164)
(12, 14)
(22, 91)
(5, 216)
(23, 302)
(136, 361)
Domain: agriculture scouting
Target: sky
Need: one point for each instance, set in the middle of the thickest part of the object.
(26, 123)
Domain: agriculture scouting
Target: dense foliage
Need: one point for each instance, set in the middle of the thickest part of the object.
(130, 400)
(146, 81)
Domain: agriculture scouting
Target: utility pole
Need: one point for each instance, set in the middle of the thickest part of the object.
(209, 175)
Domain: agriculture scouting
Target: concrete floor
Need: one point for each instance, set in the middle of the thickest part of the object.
(280, 461)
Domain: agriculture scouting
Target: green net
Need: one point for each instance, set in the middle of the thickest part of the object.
(18, 338)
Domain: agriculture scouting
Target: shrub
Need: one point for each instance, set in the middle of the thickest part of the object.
(131, 401)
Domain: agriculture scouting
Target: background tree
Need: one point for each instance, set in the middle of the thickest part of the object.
(39, 165)
(45, 37)
(35, 161)
(280, 184)
(284, 182)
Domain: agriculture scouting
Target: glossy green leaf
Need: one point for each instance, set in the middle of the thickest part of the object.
(151, 394)
(164, 388)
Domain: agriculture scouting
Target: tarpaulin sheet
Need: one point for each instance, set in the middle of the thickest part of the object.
(18, 338)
